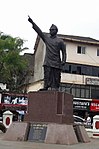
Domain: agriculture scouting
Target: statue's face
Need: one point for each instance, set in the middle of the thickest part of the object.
(53, 30)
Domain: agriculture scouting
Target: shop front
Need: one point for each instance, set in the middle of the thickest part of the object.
(81, 106)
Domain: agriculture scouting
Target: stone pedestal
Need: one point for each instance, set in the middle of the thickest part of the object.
(49, 119)
(50, 106)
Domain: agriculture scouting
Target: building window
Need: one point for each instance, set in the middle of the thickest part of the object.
(81, 91)
(73, 92)
(81, 50)
(81, 69)
(69, 68)
(97, 52)
(78, 70)
(87, 93)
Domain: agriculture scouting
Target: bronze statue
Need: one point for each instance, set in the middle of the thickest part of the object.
(52, 63)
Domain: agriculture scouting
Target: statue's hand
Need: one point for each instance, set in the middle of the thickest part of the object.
(30, 20)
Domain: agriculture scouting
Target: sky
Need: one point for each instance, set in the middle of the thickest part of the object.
(72, 17)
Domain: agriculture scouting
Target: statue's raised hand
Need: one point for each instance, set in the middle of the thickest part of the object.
(30, 20)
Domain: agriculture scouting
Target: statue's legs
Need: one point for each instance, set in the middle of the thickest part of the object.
(52, 78)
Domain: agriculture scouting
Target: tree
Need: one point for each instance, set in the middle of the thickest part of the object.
(13, 66)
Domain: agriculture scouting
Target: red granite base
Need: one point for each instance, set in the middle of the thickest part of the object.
(50, 106)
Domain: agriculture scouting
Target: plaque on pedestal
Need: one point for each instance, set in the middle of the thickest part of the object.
(37, 132)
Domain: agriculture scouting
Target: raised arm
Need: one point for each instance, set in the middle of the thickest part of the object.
(37, 29)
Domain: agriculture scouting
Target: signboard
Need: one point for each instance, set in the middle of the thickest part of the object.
(37, 132)
(14, 99)
(92, 81)
(81, 104)
(94, 105)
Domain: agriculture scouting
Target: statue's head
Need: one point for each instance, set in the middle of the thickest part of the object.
(53, 30)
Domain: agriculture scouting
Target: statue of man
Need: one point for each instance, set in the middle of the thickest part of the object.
(52, 63)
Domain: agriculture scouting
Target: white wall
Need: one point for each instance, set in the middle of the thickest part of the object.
(35, 86)
(74, 78)
(39, 58)
(89, 58)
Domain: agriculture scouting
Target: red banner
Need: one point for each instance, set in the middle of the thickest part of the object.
(94, 106)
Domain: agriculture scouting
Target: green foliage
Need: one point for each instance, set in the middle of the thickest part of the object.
(12, 65)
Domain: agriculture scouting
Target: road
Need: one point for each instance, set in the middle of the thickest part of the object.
(93, 144)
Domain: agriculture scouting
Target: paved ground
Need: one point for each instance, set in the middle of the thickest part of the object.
(94, 144)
